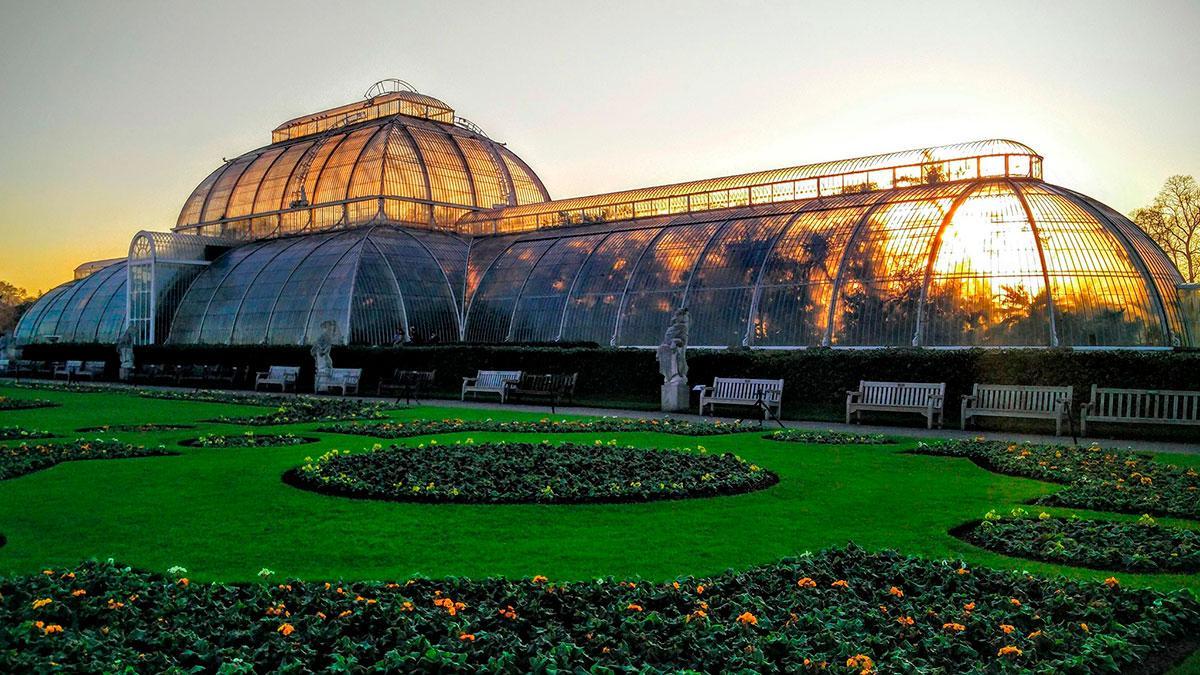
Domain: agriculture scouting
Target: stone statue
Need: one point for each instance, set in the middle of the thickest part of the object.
(323, 345)
(672, 353)
(672, 363)
(125, 353)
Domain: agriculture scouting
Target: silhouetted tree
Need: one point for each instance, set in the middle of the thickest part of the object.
(13, 303)
(1173, 221)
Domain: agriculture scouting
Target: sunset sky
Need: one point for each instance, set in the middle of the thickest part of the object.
(113, 112)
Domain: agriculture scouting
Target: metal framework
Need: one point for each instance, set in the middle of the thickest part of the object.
(160, 266)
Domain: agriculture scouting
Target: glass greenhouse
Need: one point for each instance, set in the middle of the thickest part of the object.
(400, 221)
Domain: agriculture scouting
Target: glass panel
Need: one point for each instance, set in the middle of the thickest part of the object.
(986, 286)
(190, 214)
(527, 188)
(720, 294)
(402, 173)
(241, 201)
(540, 308)
(317, 290)
(428, 301)
(218, 198)
(447, 175)
(659, 282)
(487, 174)
(492, 305)
(334, 180)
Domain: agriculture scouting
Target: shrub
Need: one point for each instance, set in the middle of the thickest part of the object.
(603, 425)
(1130, 547)
(496, 473)
(827, 437)
(18, 460)
(884, 610)
(135, 428)
(1096, 479)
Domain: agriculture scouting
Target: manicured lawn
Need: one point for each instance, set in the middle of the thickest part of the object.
(224, 513)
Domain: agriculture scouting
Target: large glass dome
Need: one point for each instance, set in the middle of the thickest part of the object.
(400, 158)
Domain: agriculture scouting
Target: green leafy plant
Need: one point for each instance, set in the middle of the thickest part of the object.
(248, 439)
(11, 433)
(529, 472)
(9, 403)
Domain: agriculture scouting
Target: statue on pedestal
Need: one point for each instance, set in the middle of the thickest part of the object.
(125, 353)
(322, 361)
(672, 363)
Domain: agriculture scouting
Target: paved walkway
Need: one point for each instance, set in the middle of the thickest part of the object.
(911, 432)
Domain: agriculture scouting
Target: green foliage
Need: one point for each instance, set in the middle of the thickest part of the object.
(135, 428)
(287, 409)
(1096, 479)
(509, 473)
(247, 440)
(827, 437)
(838, 607)
(18, 460)
(1128, 547)
(547, 426)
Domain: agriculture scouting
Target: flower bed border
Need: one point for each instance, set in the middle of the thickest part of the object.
(300, 440)
(604, 425)
(16, 433)
(9, 404)
(150, 427)
(294, 477)
(830, 437)
(964, 531)
(124, 450)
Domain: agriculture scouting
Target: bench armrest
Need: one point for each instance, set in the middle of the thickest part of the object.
(969, 397)
(705, 390)
(851, 395)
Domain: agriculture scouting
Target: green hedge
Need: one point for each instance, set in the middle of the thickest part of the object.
(816, 379)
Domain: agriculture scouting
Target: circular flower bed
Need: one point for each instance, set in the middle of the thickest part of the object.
(499, 473)
(135, 428)
(11, 433)
(1143, 546)
(246, 440)
(827, 437)
(603, 425)
(9, 403)
(18, 460)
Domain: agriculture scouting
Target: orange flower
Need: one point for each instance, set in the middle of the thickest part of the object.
(406, 606)
(905, 621)
(675, 585)
(1085, 628)
(52, 629)
(1112, 582)
(321, 615)
(896, 592)
(509, 613)
(700, 590)
(962, 570)
(747, 619)
(1007, 628)
(1034, 634)
(861, 661)
(184, 581)
(806, 583)
(1009, 650)
(539, 579)
(1015, 602)
(113, 604)
(969, 607)
(840, 583)
(41, 602)
(956, 627)
(285, 628)
(633, 608)
(467, 637)
(345, 614)
(78, 592)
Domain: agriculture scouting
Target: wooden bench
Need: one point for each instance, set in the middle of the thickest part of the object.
(743, 391)
(553, 388)
(75, 370)
(489, 382)
(278, 376)
(342, 379)
(407, 383)
(924, 398)
(1140, 406)
(1015, 400)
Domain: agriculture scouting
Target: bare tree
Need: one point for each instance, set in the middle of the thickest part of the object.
(1173, 220)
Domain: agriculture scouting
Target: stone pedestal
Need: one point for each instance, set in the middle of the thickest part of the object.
(676, 397)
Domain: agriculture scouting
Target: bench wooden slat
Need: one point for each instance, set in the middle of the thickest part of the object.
(1014, 400)
(1140, 406)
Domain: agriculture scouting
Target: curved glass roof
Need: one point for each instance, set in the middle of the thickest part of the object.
(992, 262)
(91, 309)
(371, 281)
(921, 166)
(398, 162)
